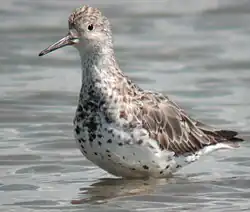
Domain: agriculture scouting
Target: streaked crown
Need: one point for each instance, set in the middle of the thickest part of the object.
(86, 17)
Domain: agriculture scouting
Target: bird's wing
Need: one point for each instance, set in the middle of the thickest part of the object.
(173, 129)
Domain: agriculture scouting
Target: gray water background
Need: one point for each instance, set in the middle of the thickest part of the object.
(195, 51)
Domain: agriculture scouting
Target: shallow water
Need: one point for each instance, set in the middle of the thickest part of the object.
(197, 53)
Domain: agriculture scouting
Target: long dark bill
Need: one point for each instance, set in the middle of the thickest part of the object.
(65, 41)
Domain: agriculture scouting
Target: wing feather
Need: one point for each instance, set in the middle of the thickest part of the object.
(173, 129)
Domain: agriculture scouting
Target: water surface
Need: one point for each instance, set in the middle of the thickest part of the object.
(196, 52)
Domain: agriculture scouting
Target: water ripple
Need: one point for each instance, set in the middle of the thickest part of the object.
(197, 53)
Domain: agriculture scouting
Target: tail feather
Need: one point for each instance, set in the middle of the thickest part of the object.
(229, 135)
(220, 139)
(219, 135)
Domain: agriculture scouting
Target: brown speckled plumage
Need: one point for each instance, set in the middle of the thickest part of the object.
(122, 128)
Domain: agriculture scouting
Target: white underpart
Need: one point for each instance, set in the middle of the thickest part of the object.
(206, 150)
(128, 156)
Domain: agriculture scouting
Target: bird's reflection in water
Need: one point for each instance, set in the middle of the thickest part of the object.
(110, 188)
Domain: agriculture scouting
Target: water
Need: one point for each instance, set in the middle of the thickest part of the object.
(197, 52)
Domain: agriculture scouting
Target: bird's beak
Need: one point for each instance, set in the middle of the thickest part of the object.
(65, 41)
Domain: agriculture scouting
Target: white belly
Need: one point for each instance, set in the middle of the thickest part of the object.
(125, 154)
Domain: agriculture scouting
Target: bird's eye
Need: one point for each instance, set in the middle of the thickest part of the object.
(90, 27)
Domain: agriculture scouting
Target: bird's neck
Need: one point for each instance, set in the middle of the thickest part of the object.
(102, 76)
(98, 66)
